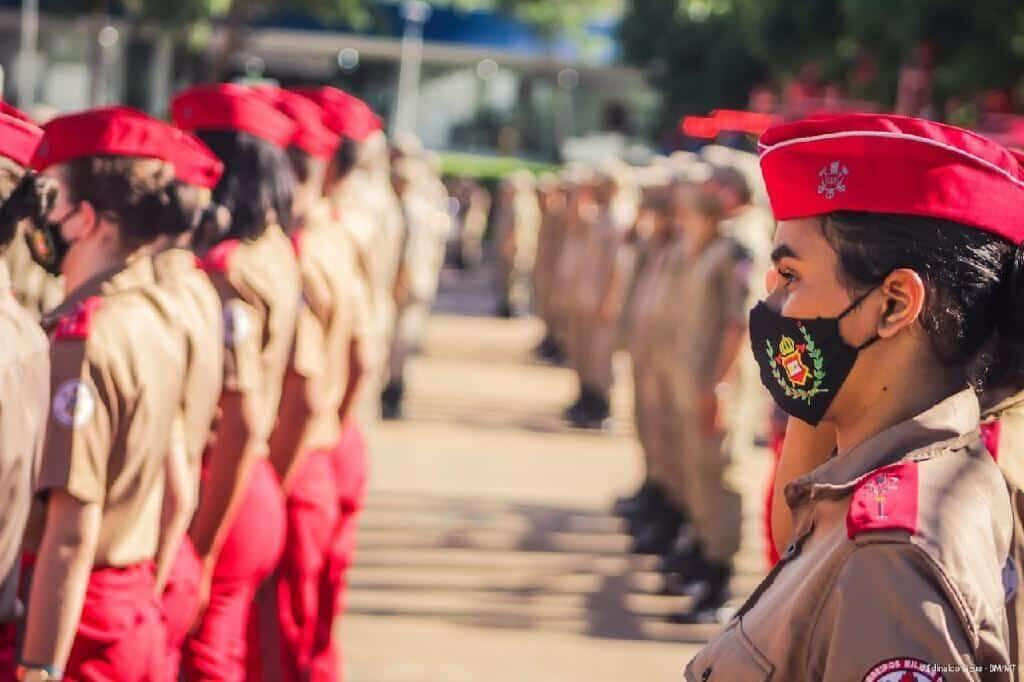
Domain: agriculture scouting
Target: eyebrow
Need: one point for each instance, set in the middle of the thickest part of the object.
(783, 251)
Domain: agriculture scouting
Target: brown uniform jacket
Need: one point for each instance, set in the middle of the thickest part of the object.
(115, 379)
(180, 275)
(24, 405)
(334, 312)
(896, 566)
(259, 288)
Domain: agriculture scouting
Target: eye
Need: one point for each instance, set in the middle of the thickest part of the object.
(788, 276)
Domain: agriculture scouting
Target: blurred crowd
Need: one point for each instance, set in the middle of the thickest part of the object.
(663, 261)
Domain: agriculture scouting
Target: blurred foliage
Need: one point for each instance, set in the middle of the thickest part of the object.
(488, 168)
(710, 53)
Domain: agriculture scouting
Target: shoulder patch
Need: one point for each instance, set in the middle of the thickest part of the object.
(218, 259)
(297, 237)
(73, 404)
(77, 324)
(904, 670)
(885, 499)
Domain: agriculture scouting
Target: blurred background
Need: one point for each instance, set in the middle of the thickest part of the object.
(543, 80)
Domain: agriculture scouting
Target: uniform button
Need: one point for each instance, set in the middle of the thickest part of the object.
(706, 675)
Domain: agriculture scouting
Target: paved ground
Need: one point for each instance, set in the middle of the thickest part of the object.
(486, 550)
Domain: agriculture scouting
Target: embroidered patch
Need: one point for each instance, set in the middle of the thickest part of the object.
(77, 324)
(237, 324)
(832, 179)
(790, 359)
(904, 670)
(73, 404)
(885, 499)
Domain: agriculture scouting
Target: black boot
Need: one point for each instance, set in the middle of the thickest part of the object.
(547, 348)
(709, 595)
(583, 400)
(657, 536)
(595, 416)
(391, 400)
(630, 505)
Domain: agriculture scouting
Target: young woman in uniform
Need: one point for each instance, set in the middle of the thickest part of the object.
(239, 527)
(898, 266)
(116, 366)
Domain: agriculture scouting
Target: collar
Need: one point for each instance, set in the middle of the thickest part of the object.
(952, 419)
(134, 272)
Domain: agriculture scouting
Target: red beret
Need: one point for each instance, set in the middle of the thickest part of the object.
(346, 115)
(194, 163)
(18, 139)
(892, 164)
(228, 106)
(109, 131)
(311, 133)
(14, 111)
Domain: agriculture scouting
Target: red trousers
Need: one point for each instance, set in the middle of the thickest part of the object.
(121, 635)
(219, 646)
(349, 464)
(313, 514)
(181, 603)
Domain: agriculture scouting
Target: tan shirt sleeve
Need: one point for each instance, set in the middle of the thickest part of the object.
(80, 427)
(886, 608)
(734, 279)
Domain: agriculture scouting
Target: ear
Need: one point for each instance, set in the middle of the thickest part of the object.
(904, 292)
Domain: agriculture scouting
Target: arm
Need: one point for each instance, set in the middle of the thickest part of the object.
(179, 503)
(354, 380)
(60, 578)
(294, 415)
(805, 448)
(231, 455)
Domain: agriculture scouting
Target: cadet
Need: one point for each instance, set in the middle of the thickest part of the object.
(239, 527)
(654, 239)
(195, 222)
(116, 366)
(895, 269)
(426, 233)
(24, 380)
(578, 207)
(550, 240)
(515, 233)
(351, 119)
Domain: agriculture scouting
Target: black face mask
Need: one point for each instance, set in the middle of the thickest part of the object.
(47, 245)
(803, 362)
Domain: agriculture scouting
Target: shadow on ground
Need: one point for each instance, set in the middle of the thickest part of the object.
(487, 564)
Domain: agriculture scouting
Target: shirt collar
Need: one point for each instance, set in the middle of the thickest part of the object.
(954, 417)
(132, 273)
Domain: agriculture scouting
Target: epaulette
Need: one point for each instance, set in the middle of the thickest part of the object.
(218, 259)
(297, 237)
(77, 324)
(885, 499)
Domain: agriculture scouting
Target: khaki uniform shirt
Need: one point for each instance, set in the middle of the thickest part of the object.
(24, 405)
(896, 567)
(117, 362)
(178, 272)
(648, 292)
(332, 314)
(260, 292)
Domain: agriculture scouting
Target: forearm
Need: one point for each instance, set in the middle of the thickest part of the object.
(353, 382)
(179, 504)
(805, 448)
(294, 416)
(229, 463)
(60, 579)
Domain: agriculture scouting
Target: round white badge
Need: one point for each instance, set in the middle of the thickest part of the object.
(904, 670)
(73, 404)
(237, 325)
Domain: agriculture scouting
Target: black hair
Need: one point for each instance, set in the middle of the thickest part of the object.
(15, 206)
(257, 184)
(974, 282)
(135, 192)
(183, 214)
(346, 158)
